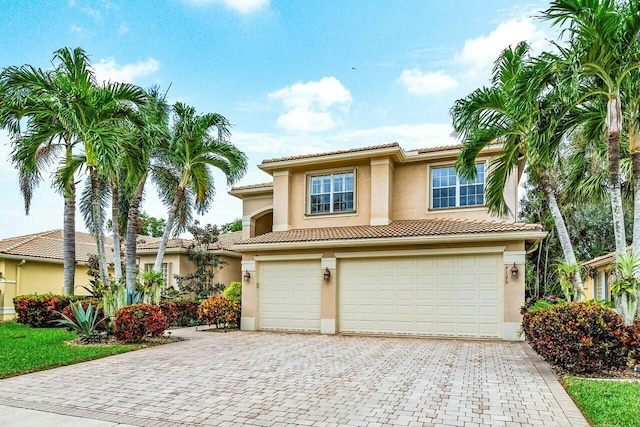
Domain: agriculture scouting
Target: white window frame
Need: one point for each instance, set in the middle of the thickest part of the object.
(332, 173)
(164, 269)
(457, 188)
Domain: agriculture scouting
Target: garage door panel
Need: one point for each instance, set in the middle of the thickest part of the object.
(439, 295)
(290, 295)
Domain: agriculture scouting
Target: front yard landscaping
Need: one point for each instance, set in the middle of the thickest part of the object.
(606, 403)
(26, 349)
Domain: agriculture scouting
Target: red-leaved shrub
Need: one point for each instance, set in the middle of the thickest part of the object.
(180, 312)
(632, 340)
(580, 337)
(134, 323)
(219, 311)
(38, 310)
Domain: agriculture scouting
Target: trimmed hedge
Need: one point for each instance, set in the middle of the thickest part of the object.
(181, 312)
(580, 337)
(134, 323)
(38, 310)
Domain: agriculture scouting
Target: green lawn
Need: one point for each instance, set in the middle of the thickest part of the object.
(26, 349)
(606, 403)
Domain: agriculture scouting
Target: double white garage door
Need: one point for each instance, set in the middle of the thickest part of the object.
(459, 296)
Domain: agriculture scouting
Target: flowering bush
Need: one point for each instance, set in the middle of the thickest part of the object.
(219, 311)
(39, 311)
(578, 337)
(102, 326)
(134, 323)
(180, 312)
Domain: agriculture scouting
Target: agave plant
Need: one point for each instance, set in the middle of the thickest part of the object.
(85, 322)
(625, 285)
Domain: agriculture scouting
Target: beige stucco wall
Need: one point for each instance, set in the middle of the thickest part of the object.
(177, 263)
(230, 272)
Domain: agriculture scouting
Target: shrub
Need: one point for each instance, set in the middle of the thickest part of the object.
(102, 326)
(533, 304)
(85, 321)
(39, 310)
(219, 311)
(181, 312)
(234, 292)
(134, 323)
(632, 340)
(579, 337)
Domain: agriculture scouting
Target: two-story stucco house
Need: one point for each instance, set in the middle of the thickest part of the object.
(378, 240)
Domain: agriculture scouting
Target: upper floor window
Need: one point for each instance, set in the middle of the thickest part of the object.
(449, 190)
(331, 193)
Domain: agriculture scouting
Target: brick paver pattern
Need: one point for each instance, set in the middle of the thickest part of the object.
(273, 379)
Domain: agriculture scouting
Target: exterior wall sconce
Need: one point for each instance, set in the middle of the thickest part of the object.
(514, 271)
(247, 275)
(326, 274)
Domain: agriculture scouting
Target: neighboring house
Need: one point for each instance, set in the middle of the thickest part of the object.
(599, 277)
(378, 240)
(175, 258)
(34, 264)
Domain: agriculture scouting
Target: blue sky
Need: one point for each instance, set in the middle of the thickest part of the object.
(292, 76)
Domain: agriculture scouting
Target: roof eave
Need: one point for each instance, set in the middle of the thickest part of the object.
(396, 241)
(251, 192)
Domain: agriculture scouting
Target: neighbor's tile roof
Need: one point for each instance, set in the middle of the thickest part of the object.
(409, 228)
(331, 153)
(225, 242)
(49, 245)
(252, 186)
(441, 148)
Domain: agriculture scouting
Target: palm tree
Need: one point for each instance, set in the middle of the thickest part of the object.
(515, 111)
(183, 172)
(40, 98)
(604, 41)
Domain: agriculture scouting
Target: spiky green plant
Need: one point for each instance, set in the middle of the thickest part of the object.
(567, 273)
(625, 285)
(85, 322)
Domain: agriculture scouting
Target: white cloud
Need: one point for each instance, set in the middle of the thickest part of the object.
(311, 106)
(420, 83)
(480, 53)
(109, 70)
(240, 6)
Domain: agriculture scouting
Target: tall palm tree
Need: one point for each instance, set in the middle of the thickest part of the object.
(183, 172)
(604, 38)
(40, 98)
(514, 111)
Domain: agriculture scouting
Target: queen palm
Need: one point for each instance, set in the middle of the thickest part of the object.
(183, 170)
(510, 111)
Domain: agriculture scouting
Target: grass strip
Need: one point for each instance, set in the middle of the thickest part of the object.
(606, 403)
(26, 349)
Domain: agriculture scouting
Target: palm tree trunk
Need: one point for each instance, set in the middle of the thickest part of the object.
(634, 148)
(96, 211)
(614, 118)
(69, 240)
(117, 257)
(167, 229)
(563, 233)
(132, 234)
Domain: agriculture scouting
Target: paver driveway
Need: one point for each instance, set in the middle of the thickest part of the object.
(269, 379)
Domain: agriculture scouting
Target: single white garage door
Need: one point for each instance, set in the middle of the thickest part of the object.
(290, 295)
(457, 296)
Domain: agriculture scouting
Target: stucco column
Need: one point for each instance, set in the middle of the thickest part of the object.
(250, 297)
(381, 189)
(7, 293)
(281, 200)
(248, 228)
(328, 309)
(513, 294)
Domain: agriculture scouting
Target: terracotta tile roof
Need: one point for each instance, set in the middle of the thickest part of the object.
(609, 258)
(252, 186)
(331, 153)
(441, 148)
(225, 242)
(49, 245)
(409, 228)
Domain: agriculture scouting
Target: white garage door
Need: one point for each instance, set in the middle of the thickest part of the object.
(290, 295)
(459, 296)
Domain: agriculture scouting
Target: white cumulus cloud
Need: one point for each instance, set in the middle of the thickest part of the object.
(240, 6)
(419, 83)
(312, 106)
(110, 70)
(480, 53)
